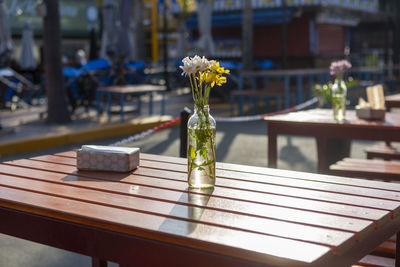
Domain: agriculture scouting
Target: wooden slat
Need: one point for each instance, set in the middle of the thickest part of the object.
(296, 231)
(292, 213)
(375, 169)
(195, 235)
(221, 193)
(286, 214)
(376, 162)
(239, 207)
(266, 180)
(263, 171)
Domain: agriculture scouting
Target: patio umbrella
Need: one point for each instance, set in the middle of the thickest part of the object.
(26, 60)
(5, 35)
(204, 15)
(124, 39)
(109, 28)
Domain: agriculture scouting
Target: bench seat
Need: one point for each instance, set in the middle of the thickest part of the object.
(375, 261)
(367, 168)
(384, 151)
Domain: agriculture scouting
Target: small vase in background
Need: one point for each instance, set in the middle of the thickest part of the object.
(201, 148)
(339, 94)
(339, 89)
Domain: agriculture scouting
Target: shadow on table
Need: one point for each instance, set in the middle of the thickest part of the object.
(196, 200)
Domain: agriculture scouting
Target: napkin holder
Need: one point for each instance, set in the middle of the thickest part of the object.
(107, 158)
(370, 113)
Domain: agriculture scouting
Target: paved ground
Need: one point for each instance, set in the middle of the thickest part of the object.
(237, 142)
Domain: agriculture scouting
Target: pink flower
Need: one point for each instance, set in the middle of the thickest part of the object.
(339, 67)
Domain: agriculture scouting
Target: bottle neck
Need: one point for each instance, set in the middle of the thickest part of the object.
(339, 77)
(204, 110)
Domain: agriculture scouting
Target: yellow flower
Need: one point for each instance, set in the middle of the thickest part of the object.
(213, 78)
(218, 69)
(220, 80)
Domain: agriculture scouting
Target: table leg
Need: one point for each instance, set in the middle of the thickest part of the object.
(272, 147)
(311, 84)
(139, 104)
(98, 96)
(287, 91)
(151, 104)
(109, 105)
(122, 102)
(163, 104)
(299, 89)
(321, 153)
(96, 262)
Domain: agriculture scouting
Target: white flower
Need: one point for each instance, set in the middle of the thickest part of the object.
(195, 64)
(188, 67)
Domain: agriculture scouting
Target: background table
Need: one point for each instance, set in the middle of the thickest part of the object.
(254, 216)
(135, 90)
(320, 124)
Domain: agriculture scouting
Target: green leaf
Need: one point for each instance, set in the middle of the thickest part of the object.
(192, 152)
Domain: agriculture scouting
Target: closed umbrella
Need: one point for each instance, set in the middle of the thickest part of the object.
(124, 38)
(5, 35)
(109, 28)
(204, 15)
(26, 60)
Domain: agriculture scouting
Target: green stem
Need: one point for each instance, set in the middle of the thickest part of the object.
(197, 90)
(191, 85)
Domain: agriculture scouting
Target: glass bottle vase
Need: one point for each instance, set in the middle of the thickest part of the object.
(201, 148)
(339, 94)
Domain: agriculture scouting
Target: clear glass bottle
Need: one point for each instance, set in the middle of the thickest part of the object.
(201, 148)
(339, 94)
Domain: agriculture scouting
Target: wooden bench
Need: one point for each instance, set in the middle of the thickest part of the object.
(384, 151)
(367, 168)
(384, 254)
(375, 261)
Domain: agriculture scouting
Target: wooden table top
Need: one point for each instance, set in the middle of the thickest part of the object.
(325, 117)
(258, 215)
(139, 88)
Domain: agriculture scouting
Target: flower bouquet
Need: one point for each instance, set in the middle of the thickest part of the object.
(203, 75)
(336, 93)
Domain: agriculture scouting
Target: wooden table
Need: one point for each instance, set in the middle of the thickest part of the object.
(319, 123)
(254, 216)
(392, 101)
(136, 90)
(300, 77)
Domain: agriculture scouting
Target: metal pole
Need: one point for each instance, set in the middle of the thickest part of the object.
(185, 114)
(165, 48)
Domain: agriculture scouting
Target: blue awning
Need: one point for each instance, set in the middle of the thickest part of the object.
(235, 19)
